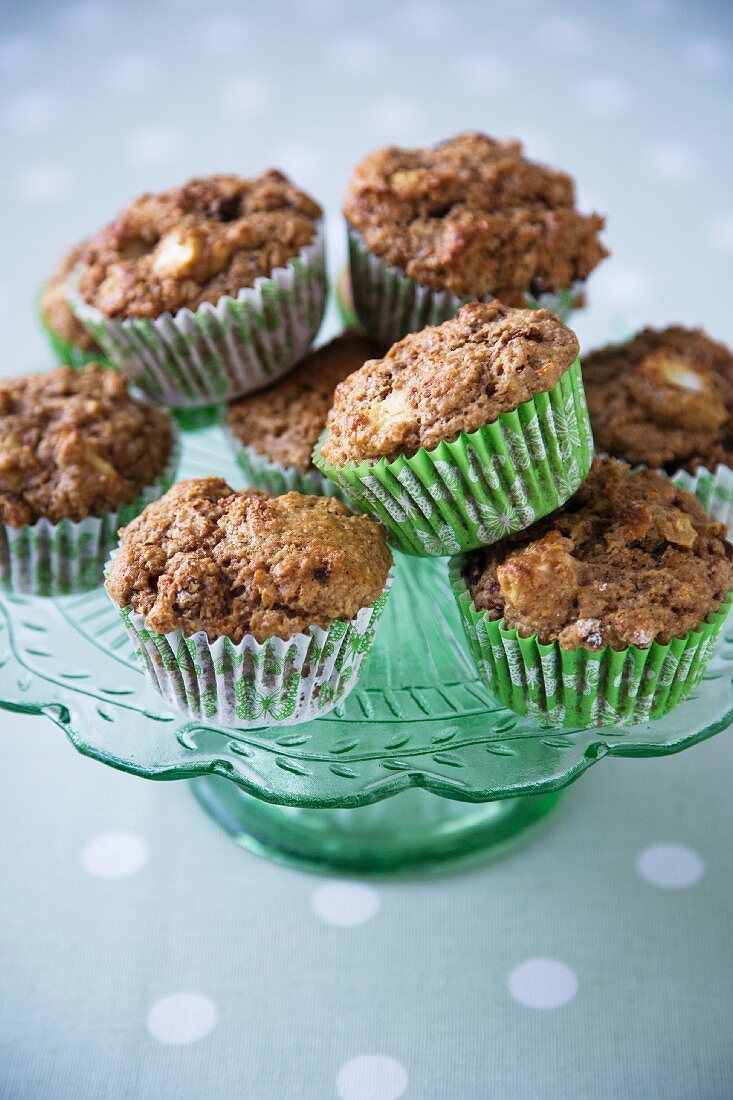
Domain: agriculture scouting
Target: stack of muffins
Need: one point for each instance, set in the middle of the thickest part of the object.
(456, 423)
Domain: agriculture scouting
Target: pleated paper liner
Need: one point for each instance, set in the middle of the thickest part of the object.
(713, 488)
(65, 352)
(579, 688)
(218, 351)
(486, 484)
(262, 472)
(389, 304)
(56, 559)
(280, 682)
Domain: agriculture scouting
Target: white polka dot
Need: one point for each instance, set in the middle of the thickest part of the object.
(563, 36)
(542, 983)
(721, 233)
(672, 163)
(345, 904)
(132, 72)
(371, 1077)
(32, 112)
(15, 53)
(154, 145)
(394, 118)
(619, 285)
(708, 55)
(88, 17)
(605, 95)
(484, 74)
(220, 34)
(670, 866)
(44, 183)
(181, 1018)
(355, 57)
(114, 855)
(245, 97)
(427, 18)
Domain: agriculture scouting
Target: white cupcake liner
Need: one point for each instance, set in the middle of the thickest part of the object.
(713, 488)
(389, 304)
(218, 351)
(56, 559)
(250, 685)
(262, 472)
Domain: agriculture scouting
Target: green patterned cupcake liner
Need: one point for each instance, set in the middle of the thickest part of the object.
(713, 488)
(56, 559)
(579, 688)
(486, 484)
(389, 304)
(280, 682)
(262, 472)
(218, 352)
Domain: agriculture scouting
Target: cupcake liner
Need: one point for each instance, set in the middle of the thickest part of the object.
(280, 682)
(56, 559)
(389, 304)
(578, 688)
(65, 352)
(262, 472)
(486, 484)
(713, 488)
(218, 352)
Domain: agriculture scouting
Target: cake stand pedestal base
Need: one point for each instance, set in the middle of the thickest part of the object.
(414, 831)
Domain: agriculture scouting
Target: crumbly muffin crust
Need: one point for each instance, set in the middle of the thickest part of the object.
(285, 422)
(472, 216)
(195, 243)
(631, 559)
(206, 558)
(74, 443)
(447, 379)
(55, 309)
(665, 398)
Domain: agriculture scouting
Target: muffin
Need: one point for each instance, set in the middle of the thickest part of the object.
(606, 611)
(71, 343)
(274, 432)
(463, 432)
(78, 457)
(250, 609)
(207, 291)
(665, 399)
(467, 219)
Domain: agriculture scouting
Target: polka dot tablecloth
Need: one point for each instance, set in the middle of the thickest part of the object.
(142, 954)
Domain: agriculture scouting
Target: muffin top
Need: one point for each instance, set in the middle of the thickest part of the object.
(631, 559)
(285, 422)
(55, 310)
(447, 379)
(73, 443)
(664, 398)
(472, 216)
(206, 558)
(195, 243)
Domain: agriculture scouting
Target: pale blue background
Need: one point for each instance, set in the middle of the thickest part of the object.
(100, 100)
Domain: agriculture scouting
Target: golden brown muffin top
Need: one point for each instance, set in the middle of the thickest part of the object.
(74, 443)
(285, 422)
(664, 398)
(206, 558)
(447, 379)
(631, 559)
(472, 216)
(55, 309)
(195, 243)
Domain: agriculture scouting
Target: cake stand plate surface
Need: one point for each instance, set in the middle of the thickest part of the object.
(315, 793)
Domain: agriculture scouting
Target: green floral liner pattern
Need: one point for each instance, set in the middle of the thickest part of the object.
(578, 688)
(486, 484)
(389, 304)
(713, 488)
(280, 682)
(57, 559)
(69, 355)
(262, 472)
(222, 351)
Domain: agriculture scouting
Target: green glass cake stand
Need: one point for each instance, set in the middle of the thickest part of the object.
(419, 768)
